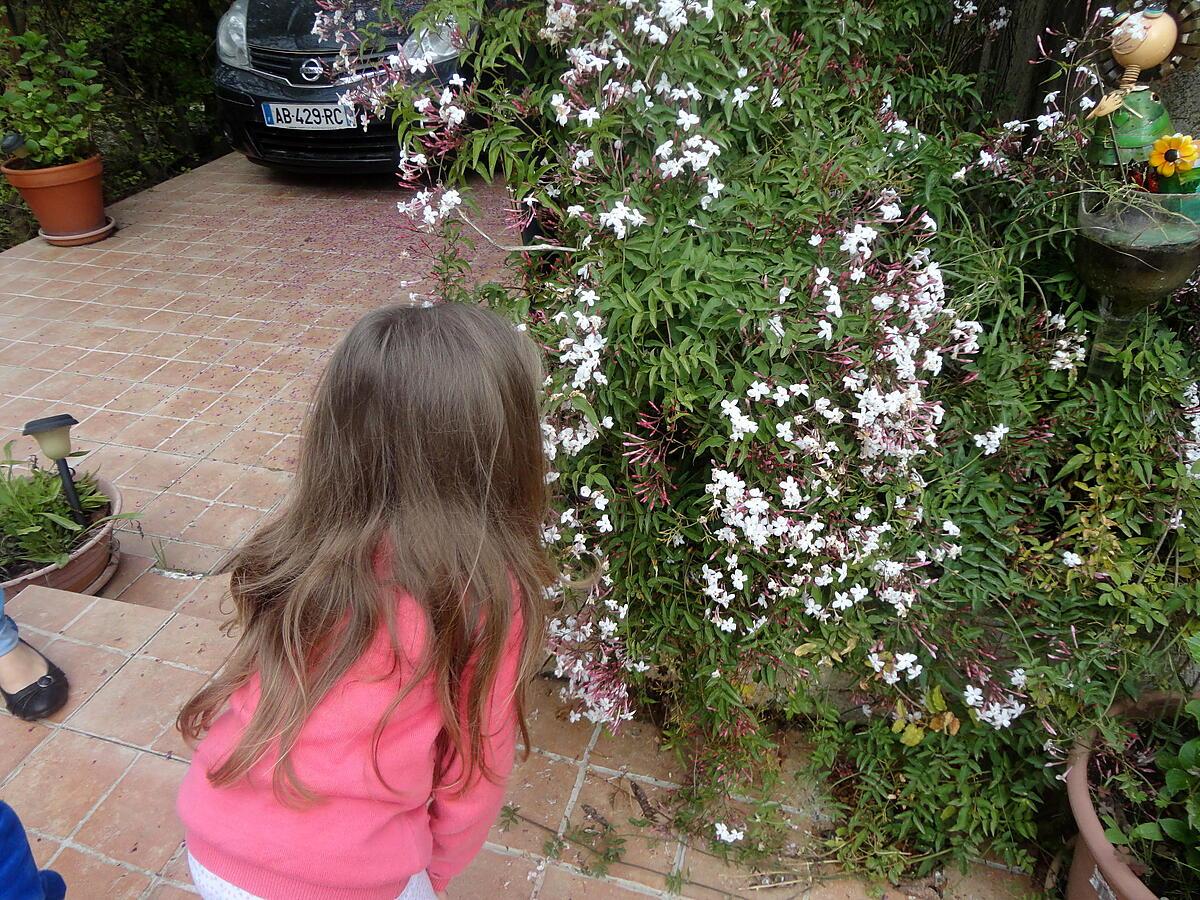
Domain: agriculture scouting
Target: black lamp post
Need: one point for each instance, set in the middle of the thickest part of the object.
(53, 435)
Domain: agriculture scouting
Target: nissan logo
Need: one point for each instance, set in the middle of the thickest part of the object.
(311, 69)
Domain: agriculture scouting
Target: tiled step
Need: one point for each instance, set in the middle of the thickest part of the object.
(95, 784)
(126, 662)
(138, 580)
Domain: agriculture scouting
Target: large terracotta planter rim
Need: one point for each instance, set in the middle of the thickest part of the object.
(48, 176)
(1091, 830)
(103, 533)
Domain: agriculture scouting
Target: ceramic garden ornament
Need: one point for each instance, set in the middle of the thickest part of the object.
(1140, 41)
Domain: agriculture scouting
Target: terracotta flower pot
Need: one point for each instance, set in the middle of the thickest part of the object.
(68, 201)
(90, 567)
(1099, 871)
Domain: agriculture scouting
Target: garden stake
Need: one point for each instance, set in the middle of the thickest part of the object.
(53, 435)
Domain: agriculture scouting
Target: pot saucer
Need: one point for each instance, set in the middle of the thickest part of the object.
(77, 240)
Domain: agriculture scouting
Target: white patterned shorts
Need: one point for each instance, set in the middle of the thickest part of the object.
(211, 887)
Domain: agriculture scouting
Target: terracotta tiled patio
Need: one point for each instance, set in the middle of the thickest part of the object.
(187, 346)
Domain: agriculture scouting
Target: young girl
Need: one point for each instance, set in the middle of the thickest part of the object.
(389, 617)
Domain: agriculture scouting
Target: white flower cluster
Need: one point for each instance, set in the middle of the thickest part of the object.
(967, 10)
(696, 152)
(989, 442)
(443, 105)
(572, 520)
(1000, 711)
(1190, 439)
(885, 423)
(561, 20)
(740, 425)
(621, 218)
(582, 349)
(1070, 349)
(963, 10)
(728, 835)
(431, 206)
(891, 666)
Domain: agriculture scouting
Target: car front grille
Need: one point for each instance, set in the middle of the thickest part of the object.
(375, 145)
(310, 69)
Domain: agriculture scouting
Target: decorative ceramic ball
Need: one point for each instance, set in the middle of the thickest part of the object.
(1144, 39)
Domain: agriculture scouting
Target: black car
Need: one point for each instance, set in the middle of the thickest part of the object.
(278, 92)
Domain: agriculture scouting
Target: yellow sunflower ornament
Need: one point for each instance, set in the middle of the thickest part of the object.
(1173, 154)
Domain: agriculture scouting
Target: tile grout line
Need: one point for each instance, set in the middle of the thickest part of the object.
(104, 795)
(572, 799)
(634, 887)
(69, 843)
(136, 654)
(159, 879)
(170, 618)
(79, 615)
(680, 854)
(60, 726)
(52, 729)
(653, 780)
(108, 739)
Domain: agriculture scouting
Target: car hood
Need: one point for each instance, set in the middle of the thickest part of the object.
(287, 24)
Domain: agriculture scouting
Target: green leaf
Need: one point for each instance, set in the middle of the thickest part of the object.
(62, 521)
(1147, 831)
(1177, 830)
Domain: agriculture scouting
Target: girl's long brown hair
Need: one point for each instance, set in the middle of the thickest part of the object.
(424, 439)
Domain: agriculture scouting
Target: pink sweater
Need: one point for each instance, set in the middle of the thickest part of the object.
(366, 837)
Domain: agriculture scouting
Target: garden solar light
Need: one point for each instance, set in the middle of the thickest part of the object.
(13, 146)
(53, 435)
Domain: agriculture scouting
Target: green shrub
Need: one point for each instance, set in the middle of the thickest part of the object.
(51, 98)
(815, 406)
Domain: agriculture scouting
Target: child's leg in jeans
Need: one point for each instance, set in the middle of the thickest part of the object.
(19, 875)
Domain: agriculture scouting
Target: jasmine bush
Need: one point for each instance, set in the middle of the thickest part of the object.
(815, 404)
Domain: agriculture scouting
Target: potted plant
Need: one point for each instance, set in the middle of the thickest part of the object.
(49, 103)
(41, 541)
(1136, 801)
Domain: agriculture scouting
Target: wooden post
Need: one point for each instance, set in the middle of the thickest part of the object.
(1014, 88)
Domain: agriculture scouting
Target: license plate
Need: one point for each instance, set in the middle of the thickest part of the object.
(308, 116)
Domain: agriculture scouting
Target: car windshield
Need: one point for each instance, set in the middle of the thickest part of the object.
(287, 24)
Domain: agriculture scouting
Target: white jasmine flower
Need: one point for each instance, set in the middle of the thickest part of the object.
(990, 440)
(728, 835)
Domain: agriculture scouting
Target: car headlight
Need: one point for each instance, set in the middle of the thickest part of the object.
(231, 36)
(435, 44)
